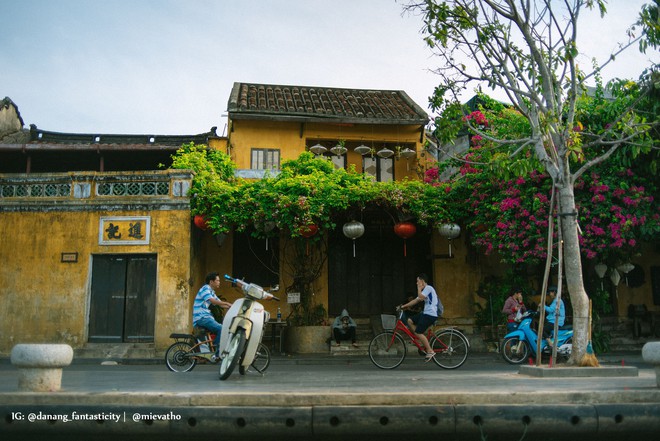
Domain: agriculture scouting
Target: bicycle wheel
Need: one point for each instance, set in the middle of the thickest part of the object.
(261, 360)
(179, 357)
(387, 350)
(513, 350)
(451, 349)
(235, 349)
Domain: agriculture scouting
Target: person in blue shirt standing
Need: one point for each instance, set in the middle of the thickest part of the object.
(202, 316)
(551, 314)
(423, 320)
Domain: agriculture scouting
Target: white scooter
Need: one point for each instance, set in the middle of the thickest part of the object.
(242, 330)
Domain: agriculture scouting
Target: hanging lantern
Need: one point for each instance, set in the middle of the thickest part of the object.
(408, 153)
(318, 149)
(625, 269)
(266, 227)
(450, 232)
(338, 150)
(308, 231)
(385, 153)
(615, 277)
(405, 230)
(353, 230)
(600, 269)
(201, 222)
(362, 149)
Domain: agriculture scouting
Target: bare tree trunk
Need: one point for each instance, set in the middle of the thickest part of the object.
(573, 270)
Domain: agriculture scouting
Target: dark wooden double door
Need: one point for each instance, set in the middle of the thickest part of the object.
(123, 298)
(380, 276)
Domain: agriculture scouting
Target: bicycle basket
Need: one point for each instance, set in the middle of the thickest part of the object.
(388, 321)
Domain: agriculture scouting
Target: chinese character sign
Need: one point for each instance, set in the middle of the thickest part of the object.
(124, 230)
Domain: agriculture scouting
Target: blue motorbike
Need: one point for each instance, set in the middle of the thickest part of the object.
(517, 346)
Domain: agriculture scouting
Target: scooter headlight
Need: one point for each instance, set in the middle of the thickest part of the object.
(254, 291)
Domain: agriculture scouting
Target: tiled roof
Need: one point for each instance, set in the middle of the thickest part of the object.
(47, 139)
(304, 103)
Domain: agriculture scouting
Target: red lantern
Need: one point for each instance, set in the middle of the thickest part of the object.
(405, 230)
(308, 231)
(201, 222)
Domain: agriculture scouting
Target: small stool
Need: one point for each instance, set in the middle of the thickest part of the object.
(40, 366)
(651, 354)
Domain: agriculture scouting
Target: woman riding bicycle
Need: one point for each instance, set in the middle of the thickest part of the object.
(425, 319)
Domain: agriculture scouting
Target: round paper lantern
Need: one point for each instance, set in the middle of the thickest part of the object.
(308, 231)
(353, 230)
(450, 231)
(405, 230)
(201, 222)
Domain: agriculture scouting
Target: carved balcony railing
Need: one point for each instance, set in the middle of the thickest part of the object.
(103, 190)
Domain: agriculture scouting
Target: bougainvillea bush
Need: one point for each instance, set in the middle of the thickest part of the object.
(505, 200)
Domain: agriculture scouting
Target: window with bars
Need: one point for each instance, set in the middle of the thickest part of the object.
(265, 159)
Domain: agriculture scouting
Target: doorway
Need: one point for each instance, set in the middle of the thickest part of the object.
(123, 298)
(380, 276)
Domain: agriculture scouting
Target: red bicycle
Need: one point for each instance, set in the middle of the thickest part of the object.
(388, 349)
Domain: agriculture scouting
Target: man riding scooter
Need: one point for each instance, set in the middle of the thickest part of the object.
(202, 316)
(551, 315)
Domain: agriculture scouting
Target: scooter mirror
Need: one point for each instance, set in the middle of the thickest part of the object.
(274, 288)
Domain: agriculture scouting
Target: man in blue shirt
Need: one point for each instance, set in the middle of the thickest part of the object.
(202, 316)
(551, 314)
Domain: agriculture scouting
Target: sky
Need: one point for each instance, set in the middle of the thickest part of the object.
(168, 66)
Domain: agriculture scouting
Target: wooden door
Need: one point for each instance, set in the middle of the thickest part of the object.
(380, 276)
(123, 298)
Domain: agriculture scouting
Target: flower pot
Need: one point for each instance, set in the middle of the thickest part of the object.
(307, 339)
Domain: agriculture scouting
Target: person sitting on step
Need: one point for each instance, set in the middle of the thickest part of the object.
(343, 328)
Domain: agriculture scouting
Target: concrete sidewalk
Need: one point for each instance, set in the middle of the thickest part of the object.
(323, 397)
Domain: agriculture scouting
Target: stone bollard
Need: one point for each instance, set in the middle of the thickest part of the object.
(651, 354)
(40, 366)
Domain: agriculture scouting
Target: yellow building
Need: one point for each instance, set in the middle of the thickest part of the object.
(99, 248)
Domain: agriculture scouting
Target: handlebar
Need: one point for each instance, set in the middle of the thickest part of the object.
(232, 280)
(245, 284)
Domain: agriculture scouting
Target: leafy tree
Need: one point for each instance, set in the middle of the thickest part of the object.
(528, 50)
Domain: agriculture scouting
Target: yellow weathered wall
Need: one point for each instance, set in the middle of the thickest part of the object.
(47, 300)
(286, 137)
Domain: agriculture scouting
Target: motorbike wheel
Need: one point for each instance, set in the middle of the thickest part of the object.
(261, 360)
(564, 357)
(178, 357)
(235, 349)
(514, 350)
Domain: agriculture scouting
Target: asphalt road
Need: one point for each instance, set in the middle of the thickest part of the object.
(329, 397)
